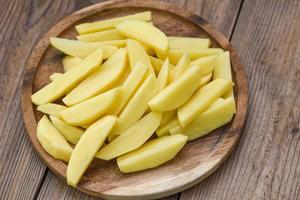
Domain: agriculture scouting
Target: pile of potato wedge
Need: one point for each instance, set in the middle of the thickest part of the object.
(132, 93)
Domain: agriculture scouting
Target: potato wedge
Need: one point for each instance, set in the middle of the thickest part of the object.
(88, 145)
(181, 67)
(137, 54)
(207, 63)
(202, 99)
(163, 77)
(52, 141)
(205, 80)
(100, 80)
(92, 109)
(51, 109)
(70, 61)
(145, 33)
(101, 36)
(81, 49)
(152, 154)
(68, 81)
(188, 43)
(111, 23)
(71, 133)
(54, 76)
(175, 55)
(218, 114)
(131, 139)
(117, 43)
(164, 130)
(178, 92)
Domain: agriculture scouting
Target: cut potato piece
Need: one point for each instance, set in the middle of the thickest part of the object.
(163, 76)
(175, 55)
(164, 130)
(157, 64)
(88, 145)
(90, 110)
(207, 63)
(137, 54)
(178, 92)
(101, 36)
(131, 84)
(111, 23)
(188, 43)
(145, 33)
(70, 61)
(51, 109)
(117, 43)
(137, 105)
(52, 141)
(205, 80)
(168, 116)
(68, 81)
(152, 154)
(71, 133)
(202, 99)
(218, 114)
(131, 139)
(54, 76)
(181, 66)
(81, 49)
(100, 80)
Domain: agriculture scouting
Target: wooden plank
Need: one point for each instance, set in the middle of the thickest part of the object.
(265, 164)
(53, 187)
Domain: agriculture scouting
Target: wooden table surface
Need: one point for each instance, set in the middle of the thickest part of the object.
(266, 162)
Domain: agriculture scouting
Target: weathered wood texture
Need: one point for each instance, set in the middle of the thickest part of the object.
(266, 163)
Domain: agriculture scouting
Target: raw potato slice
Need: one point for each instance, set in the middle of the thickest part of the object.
(134, 137)
(163, 76)
(137, 54)
(157, 64)
(202, 99)
(207, 63)
(117, 43)
(70, 61)
(164, 130)
(101, 36)
(178, 92)
(90, 110)
(88, 145)
(68, 81)
(145, 33)
(168, 116)
(131, 84)
(218, 114)
(111, 23)
(188, 43)
(205, 80)
(81, 49)
(152, 154)
(54, 76)
(100, 80)
(71, 133)
(51, 109)
(181, 66)
(175, 55)
(137, 105)
(52, 141)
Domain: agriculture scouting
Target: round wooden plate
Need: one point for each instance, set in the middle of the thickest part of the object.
(195, 162)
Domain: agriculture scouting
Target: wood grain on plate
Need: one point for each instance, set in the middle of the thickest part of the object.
(198, 159)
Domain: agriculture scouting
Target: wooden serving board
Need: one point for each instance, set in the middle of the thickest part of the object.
(195, 162)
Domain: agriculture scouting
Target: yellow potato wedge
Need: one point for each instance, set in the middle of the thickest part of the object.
(175, 55)
(101, 36)
(188, 43)
(111, 23)
(202, 99)
(52, 141)
(181, 66)
(178, 92)
(218, 114)
(152, 154)
(92, 109)
(164, 130)
(205, 80)
(137, 105)
(81, 49)
(88, 145)
(117, 43)
(145, 33)
(71, 133)
(68, 81)
(137, 54)
(70, 61)
(130, 85)
(207, 63)
(131, 139)
(54, 76)
(100, 80)
(51, 109)
(163, 77)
